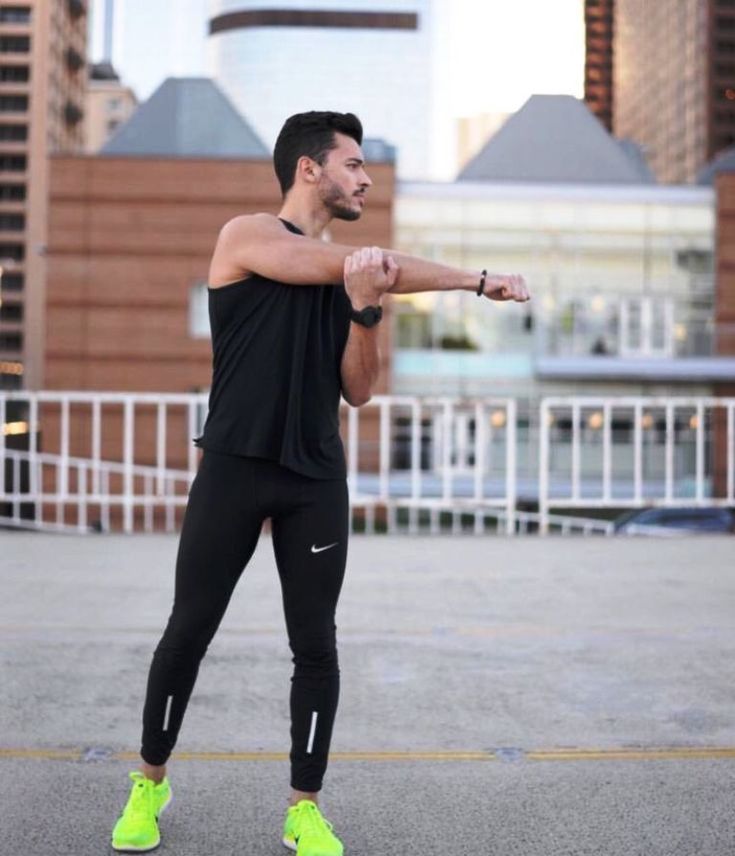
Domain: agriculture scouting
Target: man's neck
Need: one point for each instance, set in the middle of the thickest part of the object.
(311, 220)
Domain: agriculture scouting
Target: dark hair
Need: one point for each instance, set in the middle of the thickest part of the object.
(311, 135)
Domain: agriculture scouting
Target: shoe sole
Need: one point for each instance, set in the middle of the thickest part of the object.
(129, 849)
(291, 846)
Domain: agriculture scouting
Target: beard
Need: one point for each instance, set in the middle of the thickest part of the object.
(336, 201)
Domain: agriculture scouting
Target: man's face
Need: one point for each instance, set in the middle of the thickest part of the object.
(343, 181)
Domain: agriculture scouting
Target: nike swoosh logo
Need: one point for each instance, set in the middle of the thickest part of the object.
(315, 549)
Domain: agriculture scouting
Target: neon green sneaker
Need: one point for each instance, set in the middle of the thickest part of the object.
(308, 833)
(136, 829)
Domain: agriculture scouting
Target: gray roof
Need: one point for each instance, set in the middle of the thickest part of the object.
(557, 138)
(102, 71)
(723, 162)
(378, 150)
(187, 117)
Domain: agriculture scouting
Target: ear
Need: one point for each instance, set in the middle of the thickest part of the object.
(308, 169)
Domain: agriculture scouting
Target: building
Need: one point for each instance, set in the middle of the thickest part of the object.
(624, 298)
(108, 105)
(131, 235)
(42, 84)
(473, 132)
(673, 78)
(620, 269)
(598, 64)
(258, 56)
(721, 173)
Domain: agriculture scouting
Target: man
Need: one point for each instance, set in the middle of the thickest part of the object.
(294, 327)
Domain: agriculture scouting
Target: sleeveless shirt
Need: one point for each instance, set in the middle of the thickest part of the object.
(276, 383)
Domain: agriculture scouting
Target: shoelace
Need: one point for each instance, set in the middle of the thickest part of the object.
(141, 797)
(311, 820)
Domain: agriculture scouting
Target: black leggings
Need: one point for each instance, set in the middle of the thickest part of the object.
(228, 502)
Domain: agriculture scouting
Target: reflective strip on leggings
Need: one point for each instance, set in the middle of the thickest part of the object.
(310, 746)
(167, 715)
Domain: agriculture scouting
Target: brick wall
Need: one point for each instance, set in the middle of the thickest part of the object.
(129, 238)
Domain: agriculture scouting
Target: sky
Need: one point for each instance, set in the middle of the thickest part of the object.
(495, 53)
(501, 52)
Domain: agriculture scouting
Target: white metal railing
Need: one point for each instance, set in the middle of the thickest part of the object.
(125, 461)
(82, 467)
(457, 473)
(690, 441)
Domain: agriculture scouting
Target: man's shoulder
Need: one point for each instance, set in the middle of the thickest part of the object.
(260, 224)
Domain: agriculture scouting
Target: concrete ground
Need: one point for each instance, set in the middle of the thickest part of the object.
(499, 696)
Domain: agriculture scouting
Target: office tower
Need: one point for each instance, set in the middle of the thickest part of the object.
(598, 65)
(344, 56)
(42, 83)
(673, 78)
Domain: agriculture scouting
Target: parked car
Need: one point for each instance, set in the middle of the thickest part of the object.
(672, 521)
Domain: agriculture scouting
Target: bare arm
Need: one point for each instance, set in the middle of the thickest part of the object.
(260, 244)
(366, 281)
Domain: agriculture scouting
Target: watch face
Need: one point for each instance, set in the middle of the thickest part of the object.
(369, 316)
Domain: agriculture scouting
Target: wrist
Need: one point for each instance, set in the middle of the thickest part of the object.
(469, 281)
(361, 301)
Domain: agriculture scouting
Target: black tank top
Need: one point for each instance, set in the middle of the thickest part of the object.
(276, 382)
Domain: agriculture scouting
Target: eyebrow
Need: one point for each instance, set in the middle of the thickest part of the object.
(355, 160)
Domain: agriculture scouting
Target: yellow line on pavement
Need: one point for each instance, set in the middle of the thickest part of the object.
(652, 754)
(333, 756)
(40, 753)
(600, 754)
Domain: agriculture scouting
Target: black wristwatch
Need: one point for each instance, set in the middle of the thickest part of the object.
(368, 317)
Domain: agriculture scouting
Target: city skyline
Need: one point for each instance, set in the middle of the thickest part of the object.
(494, 60)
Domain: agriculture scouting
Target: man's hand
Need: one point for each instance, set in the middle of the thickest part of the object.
(368, 276)
(506, 287)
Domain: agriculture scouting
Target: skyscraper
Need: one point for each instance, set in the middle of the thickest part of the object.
(598, 65)
(343, 56)
(673, 78)
(42, 83)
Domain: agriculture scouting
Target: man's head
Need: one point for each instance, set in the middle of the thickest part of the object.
(321, 152)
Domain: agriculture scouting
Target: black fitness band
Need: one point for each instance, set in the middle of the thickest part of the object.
(481, 286)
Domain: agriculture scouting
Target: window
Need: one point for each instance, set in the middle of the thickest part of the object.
(15, 133)
(11, 281)
(113, 125)
(10, 380)
(14, 74)
(76, 8)
(12, 222)
(13, 163)
(11, 341)
(12, 192)
(13, 103)
(16, 252)
(113, 103)
(11, 311)
(199, 311)
(15, 15)
(15, 44)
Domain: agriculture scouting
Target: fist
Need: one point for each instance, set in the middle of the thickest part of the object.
(368, 275)
(510, 286)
